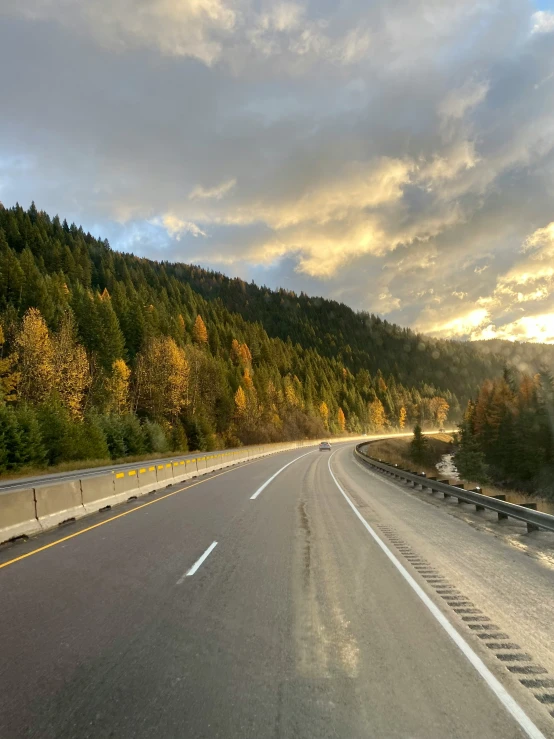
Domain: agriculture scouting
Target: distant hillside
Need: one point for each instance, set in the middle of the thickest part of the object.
(136, 356)
(358, 340)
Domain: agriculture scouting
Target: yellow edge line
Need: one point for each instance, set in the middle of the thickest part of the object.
(113, 518)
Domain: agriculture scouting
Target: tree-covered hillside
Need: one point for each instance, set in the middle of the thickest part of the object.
(107, 354)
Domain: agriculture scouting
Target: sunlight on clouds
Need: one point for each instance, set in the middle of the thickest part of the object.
(458, 325)
(208, 30)
(217, 192)
(527, 328)
(528, 284)
(174, 27)
(538, 266)
(396, 154)
(450, 164)
(176, 227)
(362, 186)
(330, 223)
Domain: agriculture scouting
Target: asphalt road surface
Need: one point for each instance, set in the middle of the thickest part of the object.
(206, 612)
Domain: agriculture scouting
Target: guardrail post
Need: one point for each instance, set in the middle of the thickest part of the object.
(531, 526)
(477, 506)
(501, 516)
(461, 486)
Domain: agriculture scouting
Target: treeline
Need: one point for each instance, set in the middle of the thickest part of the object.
(506, 434)
(104, 355)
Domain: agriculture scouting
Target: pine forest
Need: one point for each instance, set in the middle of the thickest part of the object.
(105, 355)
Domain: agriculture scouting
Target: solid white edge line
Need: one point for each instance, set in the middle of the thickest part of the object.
(498, 689)
(266, 483)
(198, 562)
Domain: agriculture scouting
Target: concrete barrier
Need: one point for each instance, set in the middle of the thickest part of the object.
(97, 492)
(217, 462)
(147, 479)
(58, 503)
(18, 514)
(211, 462)
(126, 485)
(164, 471)
(191, 469)
(179, 470)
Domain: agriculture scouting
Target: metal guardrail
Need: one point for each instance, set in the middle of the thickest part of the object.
(534, 519)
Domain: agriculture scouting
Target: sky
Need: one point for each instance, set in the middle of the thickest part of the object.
(396, 155)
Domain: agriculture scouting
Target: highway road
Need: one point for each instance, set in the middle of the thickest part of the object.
(298, 595)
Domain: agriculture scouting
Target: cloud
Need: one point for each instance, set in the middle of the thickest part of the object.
(217, 192)
(177, 227)
(397, 157)
(458, 102)
(454, 324)
(208, 30)
(527, 328)
(194, 28)
(543, 21)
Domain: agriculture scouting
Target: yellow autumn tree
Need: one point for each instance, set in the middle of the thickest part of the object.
(247, 379)
(240, 402)
(8, 376)
(162, 378)
(341, 419)
(377, 416)
(117, 386)
(240, 354)
(402, 418)
(36, 357)
(291, 397)
(439, 409)
(245, 355)
(71, 376)
(199, 331)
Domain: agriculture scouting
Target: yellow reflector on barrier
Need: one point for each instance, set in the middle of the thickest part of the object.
(132, 472)
(120, 474)
(168, 465)
(142, 470)
(160, 466)
(151, 469)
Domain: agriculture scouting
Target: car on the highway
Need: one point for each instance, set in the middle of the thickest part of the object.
(325, 446)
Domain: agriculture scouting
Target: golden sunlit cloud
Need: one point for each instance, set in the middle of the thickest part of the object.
(462, 323)
(527, 328)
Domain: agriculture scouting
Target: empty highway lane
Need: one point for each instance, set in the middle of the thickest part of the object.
(263, 601)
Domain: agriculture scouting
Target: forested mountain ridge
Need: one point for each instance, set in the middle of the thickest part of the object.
(360, 340)
(105, 353)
